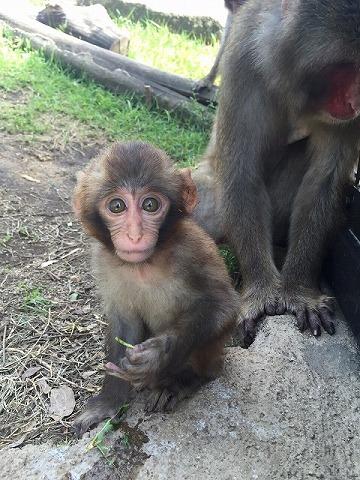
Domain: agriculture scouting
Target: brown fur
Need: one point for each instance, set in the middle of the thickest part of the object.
(176, 307)
(208, 361)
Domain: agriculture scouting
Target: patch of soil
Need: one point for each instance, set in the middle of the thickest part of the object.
(128, 456)
(49, 314)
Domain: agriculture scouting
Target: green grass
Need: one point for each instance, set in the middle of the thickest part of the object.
(6, 239)
(34, 301)
(48, 98)
(155, 45)
(229, 258)
(111, 425)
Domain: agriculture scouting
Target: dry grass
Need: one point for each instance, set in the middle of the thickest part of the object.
(50, 317)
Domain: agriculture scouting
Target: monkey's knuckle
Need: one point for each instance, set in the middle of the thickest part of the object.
(148, 344)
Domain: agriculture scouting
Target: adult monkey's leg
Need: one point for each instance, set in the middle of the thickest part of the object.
(316, 216)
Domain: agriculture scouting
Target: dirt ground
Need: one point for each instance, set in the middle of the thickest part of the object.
(50, 318)
(286, 408)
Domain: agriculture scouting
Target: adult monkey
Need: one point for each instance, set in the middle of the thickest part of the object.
(286, 62)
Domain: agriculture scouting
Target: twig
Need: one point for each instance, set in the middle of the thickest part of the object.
(4, 345)
(70, 253)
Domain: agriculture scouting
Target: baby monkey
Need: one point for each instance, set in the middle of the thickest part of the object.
(164, 286)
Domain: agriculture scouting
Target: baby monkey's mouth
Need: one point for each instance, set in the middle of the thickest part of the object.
(135, 256)
(135, 252)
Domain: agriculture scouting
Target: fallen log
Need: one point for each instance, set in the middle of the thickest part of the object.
(203, 27)
(56, 43)
(91, 24)
(114, 71)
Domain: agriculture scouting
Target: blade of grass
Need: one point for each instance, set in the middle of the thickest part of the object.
(123, 343)
(110, 425)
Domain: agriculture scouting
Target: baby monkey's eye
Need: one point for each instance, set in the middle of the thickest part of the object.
(151, 205)
(117, 205)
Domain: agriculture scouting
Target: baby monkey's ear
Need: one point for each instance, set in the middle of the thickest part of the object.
(189, 192)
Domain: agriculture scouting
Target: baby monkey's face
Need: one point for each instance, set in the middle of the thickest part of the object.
(134, 220)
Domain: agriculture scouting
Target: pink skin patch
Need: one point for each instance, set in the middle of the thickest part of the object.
(117, 371)
(343, 100)
(134, 231)
(112, 367)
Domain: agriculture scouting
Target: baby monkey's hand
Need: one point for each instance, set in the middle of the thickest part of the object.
(142, 364)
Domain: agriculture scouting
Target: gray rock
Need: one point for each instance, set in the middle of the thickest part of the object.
(286, 408)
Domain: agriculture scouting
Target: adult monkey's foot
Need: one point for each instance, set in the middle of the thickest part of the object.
(205, 84)
(255, 303)
(312, 310)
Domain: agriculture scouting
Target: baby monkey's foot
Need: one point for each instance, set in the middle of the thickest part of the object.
(162, 400)
(181, 386)
(255, 303)
(97, 409)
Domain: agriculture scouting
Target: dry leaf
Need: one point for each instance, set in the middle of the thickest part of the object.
(30, 179)
(73, 296)
(62, 402)
(28, 430)
(44, 386)
(18, 442)
(30, 372)
(88, 374)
